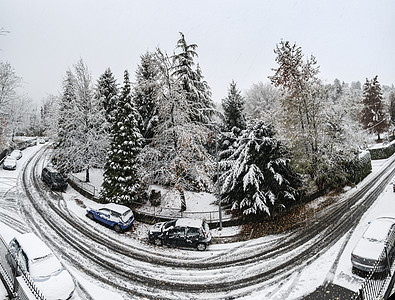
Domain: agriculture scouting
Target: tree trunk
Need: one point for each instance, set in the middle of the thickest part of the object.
(87, 175)
(182, 196)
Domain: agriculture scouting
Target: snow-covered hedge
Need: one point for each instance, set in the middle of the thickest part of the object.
(361, 167)
(382, 152)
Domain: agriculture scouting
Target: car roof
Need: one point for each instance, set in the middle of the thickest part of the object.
(117, 207)
(32, 246)
(379, 228)
(16, 151)
(186, 222)
(10, 158)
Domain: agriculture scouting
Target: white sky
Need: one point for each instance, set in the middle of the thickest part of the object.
(351, 39)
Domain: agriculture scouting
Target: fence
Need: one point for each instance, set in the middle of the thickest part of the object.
(89, 191)
(379, 283)
(18, 287)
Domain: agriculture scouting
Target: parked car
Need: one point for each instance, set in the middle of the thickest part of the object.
(370, 248)
(30, 255)
(118, 217)
(191, 233)
(40, 141)
(54, 179)
(16, 153)
(9, 163)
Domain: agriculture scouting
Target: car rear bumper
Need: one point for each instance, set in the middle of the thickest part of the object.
(368, 268)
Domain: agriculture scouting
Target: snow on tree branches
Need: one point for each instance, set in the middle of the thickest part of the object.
(122, 183)
(257, 178)
(374, 114)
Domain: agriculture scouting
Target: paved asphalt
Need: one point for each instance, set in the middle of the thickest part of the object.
(331, 292)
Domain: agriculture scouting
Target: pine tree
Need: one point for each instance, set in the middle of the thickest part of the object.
(121, 179)
(233, 106)
(257, 178)
(392, 106)
(66, 126)
(81, 139)
(145, 97)
(374, 117)
(107, 91)
(197, 91)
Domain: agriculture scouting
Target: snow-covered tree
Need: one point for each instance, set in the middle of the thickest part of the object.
(262, 101)
(177, 156)
(391, 100)
(197, 92)
(81, 140)
(107, 91)
(49, 116)
(374, 116)
(9, 82)
(122, 182)
(233, 106)
(257, 178)
(145, 95)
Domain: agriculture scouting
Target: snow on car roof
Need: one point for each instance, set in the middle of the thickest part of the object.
(379, 228)
(32, 246)
(117, 207)
(185, 222)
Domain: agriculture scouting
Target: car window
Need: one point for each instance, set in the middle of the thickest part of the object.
(22, 260)
(193, 232)
(169, 224)
(115, 214)
(104, 211)
(176, 232)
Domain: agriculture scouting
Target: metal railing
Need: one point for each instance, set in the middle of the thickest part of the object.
(157, 211)
(378, 284)
(9, 278)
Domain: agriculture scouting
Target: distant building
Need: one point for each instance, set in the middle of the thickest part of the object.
(3, 129)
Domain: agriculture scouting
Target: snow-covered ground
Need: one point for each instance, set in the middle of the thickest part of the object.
(295, 286)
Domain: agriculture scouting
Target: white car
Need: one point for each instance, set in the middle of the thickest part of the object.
(9, 163)
(48, 274)
(16, 153)
(368, 255)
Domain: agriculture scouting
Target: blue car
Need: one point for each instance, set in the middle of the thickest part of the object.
(118, 217)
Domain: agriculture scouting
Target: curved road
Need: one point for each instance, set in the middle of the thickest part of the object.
(139, 270)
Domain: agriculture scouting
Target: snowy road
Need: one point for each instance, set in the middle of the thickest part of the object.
(277, 267)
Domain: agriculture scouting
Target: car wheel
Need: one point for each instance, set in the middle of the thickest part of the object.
(201, 246)
(117, 228)
(90, 216)
(158, 242)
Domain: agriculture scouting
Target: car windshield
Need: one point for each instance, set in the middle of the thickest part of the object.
(378, 231)
(57, 177)
(44, 267)
(169, 224)
(126, 215)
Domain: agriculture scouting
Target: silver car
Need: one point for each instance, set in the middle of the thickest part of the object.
(369, 253)
(9, 163)
(35, 258)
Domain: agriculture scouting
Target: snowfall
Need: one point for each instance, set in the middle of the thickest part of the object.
(333, 266)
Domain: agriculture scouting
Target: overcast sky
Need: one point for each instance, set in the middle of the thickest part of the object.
(351, 39)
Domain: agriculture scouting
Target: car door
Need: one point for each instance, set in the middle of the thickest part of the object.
(192, 237)
(104, 215)
(175, 236)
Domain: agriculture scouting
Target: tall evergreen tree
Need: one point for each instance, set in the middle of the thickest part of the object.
(121, 179)
(392, 107)
(233, 106)
(81, 139)
(197, 91)
(145, 95)
(257, 178)
(107, 91)
(66, 126)
(374, 117)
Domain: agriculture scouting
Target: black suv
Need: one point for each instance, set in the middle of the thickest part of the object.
(193, 233)
(54, 179)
